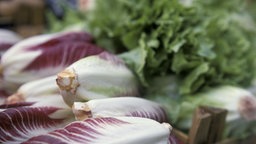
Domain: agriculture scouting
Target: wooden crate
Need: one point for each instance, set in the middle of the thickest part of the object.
(207, 128)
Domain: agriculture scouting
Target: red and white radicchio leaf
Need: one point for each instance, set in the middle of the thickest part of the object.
(121, 106)
(8, 36)
(3, 96)
(34, 89)
(42, 92)
(98, 76)
(3, 107)
(3, 48)
(51, 100)
(21, 123)
(118, 130)
(45, 55)
(7, 39)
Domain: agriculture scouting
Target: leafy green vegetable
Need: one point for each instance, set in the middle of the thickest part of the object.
(209, 43)
(181, 109)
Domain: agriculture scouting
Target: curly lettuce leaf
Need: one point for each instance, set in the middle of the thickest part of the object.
(205, 43)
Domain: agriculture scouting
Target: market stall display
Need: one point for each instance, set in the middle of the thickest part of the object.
(174, 72)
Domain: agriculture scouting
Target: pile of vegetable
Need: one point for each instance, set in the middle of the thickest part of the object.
(142, 69)
(184, 52)
(204, 43)
(60, 88)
